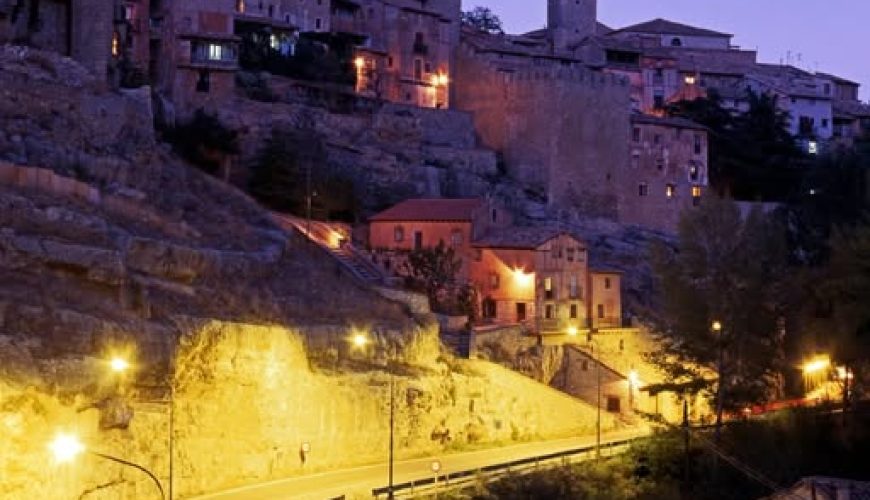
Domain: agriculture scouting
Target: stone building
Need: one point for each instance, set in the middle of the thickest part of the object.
(668, 173)
(538, 277)
(194, 51)
(81, 29)
(409, 49)
(561, 128)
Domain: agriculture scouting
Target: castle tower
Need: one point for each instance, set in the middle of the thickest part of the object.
(570, 21)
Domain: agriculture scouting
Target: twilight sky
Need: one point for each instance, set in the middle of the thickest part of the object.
(829, 35)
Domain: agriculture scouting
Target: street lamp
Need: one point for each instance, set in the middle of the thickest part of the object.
(67, 447)
(119, 364)
(633, 383)
(717, 329)
(572, 331)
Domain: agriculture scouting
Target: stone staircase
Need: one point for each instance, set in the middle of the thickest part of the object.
(334, 238)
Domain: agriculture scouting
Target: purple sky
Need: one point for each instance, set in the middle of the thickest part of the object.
(829, 35)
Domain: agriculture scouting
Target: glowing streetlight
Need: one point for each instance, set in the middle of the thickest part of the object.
(359, 62)
(572, 331)
(717, 326)
(65, 447)
(522, 278)
(633, 378)
(360, 340)
(816, 365)
(119, 364)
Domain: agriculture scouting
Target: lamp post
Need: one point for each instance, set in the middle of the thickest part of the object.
(716, 327)
(67, 447)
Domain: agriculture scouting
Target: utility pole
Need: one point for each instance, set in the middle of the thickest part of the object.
(392, 423)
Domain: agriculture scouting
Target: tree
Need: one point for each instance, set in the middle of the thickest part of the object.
(293, 165)
(204, 141)
(730, 269)
(484, 20)
(752, 154)
(434, 269)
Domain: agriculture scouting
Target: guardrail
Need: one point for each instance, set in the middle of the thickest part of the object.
(469, 476)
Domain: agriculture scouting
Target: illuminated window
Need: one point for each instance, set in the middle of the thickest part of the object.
(240, 6)
(690, 80)
(548, 288)
(116, 44)
(696, 195)
(494, 281)
(574, 287)
(216, 52)
(549, 311)
(676, 42)
(670, 190)
(694, 172)
(399, 234)
(813, 147)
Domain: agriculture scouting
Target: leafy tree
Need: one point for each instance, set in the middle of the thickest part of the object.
(433, 270)
(752, 154)
(484, 20)
(204, 141)
(292, 165)
(730, 269)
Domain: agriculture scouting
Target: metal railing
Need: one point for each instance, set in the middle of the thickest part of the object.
(469, 476)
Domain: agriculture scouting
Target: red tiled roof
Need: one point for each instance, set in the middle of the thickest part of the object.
(436, 209)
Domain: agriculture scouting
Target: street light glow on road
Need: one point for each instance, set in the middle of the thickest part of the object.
(119, 364)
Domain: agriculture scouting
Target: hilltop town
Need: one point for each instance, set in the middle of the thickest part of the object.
(269, 202)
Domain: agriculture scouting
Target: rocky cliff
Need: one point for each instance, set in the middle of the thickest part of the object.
(109, 246)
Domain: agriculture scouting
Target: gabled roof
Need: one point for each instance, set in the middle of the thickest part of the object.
(838, 79)
(664, 27)
(520, 238)
(666, 121)
(431, 210)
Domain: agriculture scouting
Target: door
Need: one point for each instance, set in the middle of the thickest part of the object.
(418, 240)
(521, 312)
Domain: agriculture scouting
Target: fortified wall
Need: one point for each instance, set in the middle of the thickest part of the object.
(563, 131)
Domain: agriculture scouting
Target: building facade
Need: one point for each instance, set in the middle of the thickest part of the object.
(537, 277)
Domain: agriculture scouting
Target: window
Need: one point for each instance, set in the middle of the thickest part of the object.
(494, 281)
(696, 195)
(390, 61)
(643, 189)
(573, 311)
(613, 404)
(399, 234)
(574, 287)
(318, 23)
(548, 288)
(418, 69)
(215, 52)
(690, 80)
(827, 89)
(676, 42)
(698, 144)
(694, 172)
(203, 83)
(607, 283)
(489, 308)
(585, 365)
(116, 44)
(521, 311)
(494, 215)
(657, 139)
(600, 311)
(128, 12)
(621, 345)
(240, 6)
(635, 160)
(569, 254)
(659, 101)
(813, 147)
(456, 238)
(549, 311)
(824, 123)
(670, 190)
(635, 134)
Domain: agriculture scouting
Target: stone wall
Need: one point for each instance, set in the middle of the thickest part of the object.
(563, 131)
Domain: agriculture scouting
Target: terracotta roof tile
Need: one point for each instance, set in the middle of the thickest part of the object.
(457, 210)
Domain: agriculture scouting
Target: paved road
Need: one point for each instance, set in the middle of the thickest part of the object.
(364, 479)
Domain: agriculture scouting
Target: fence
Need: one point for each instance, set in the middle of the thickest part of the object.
(468, 477)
